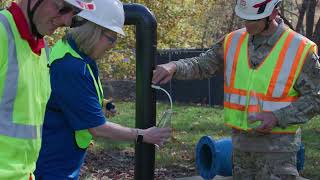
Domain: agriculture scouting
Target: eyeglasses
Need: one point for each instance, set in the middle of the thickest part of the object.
(111, 39)
(66, 8)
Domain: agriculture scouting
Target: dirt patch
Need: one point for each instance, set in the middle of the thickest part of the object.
(119, 165)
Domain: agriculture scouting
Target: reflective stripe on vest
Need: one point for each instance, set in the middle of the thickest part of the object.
(275, 90)
(290, 62)
(231, 52)
(97, 85)
(7, 126)
(255, 104)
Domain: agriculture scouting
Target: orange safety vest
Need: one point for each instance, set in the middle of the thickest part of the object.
(267, 88)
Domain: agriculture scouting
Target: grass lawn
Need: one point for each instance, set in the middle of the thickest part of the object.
(191, 122)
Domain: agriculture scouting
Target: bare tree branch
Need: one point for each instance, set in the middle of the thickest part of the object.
(302, 11)
(297, 4)
(292, 13)
(231, 22)
(310, 18)
(286, 21)
(316, 34)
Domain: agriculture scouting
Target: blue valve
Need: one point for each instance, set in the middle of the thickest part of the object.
(214, 157)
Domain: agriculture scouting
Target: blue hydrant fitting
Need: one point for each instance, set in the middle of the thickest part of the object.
(214, 157)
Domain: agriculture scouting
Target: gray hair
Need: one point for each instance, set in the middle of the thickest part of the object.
(86, 36)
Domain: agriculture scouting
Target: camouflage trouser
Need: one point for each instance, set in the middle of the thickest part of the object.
(264, 166)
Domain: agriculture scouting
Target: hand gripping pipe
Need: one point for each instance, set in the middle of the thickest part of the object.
(146, 46)
(214, 157)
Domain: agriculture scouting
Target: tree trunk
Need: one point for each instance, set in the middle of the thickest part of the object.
(282, 7)
(316, 34)
(302, 11)
(310, 18)
(230, 28)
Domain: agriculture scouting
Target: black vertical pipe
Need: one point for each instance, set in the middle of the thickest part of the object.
(146, 45)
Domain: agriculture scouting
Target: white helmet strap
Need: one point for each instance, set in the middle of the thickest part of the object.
(77, 21)
(31, 12)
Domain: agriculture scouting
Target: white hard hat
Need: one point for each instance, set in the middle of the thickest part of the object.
(83, 4)
(108, 14)
(255, 9)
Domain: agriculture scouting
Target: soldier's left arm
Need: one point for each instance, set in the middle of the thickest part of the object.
(308, 104)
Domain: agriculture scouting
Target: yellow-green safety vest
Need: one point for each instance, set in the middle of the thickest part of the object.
(268, 87)
(24, 92)
(59, 50)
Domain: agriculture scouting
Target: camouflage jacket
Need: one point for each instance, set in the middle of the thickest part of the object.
(210, 63)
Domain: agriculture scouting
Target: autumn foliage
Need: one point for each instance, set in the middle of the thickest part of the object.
(192, 24)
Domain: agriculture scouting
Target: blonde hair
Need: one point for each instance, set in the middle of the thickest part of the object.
(86, 36)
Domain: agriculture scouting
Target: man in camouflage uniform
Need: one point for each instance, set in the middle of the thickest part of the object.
(260, 154)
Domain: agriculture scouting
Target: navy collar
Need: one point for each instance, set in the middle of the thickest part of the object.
(74, 46)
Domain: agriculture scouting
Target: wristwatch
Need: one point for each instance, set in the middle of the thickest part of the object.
(139, 137)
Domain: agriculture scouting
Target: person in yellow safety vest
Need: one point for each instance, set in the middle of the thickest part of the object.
(24, 78)
(74, 111)
(271, 85)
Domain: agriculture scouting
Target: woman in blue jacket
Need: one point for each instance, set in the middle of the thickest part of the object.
(74, 111)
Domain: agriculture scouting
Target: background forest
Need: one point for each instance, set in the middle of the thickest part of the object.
(193, 24)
